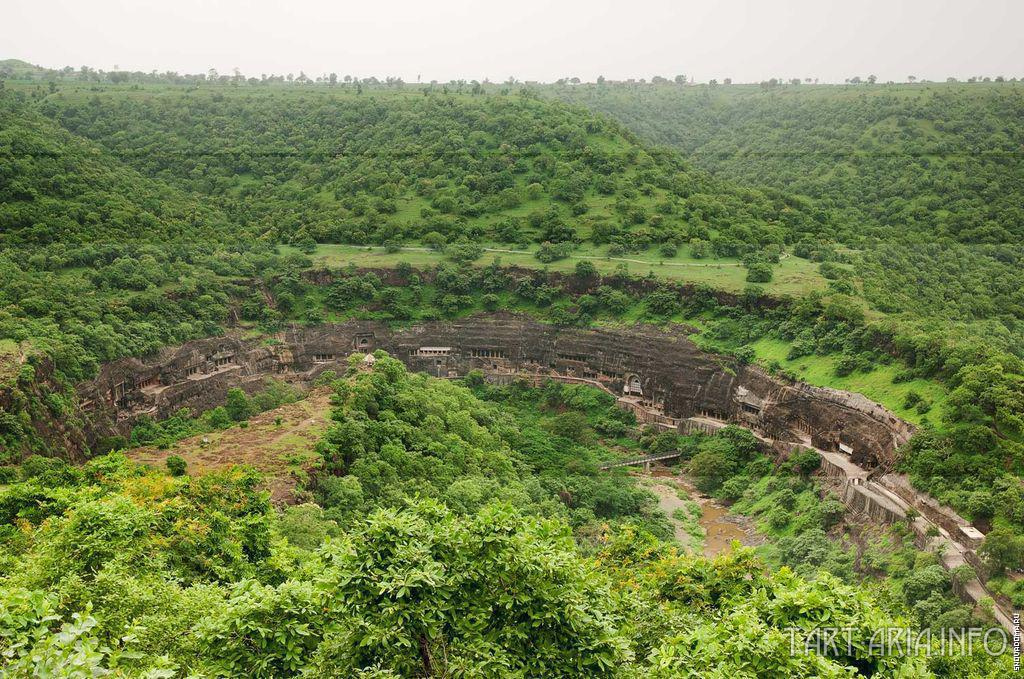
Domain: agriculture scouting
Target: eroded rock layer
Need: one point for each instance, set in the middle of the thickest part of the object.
(660, 368)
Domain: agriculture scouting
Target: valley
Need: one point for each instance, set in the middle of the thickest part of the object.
(378, 379)
(663, 380)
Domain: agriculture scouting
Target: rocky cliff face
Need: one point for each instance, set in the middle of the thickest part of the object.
(34, 408)
(662, 368)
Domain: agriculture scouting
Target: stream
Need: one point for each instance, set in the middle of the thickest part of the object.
(721, 528)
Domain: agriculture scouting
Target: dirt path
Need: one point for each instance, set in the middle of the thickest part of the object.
(646, 262)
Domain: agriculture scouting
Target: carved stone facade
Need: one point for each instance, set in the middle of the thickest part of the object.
(660, 368)
(660, 375)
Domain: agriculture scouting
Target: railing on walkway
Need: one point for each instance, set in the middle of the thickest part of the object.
(640, 460)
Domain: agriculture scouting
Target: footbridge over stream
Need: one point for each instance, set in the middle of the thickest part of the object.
(872, 495)
(657, 373)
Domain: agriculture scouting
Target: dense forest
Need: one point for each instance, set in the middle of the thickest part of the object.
(924, 181)
(923, 186)
(139, 215)
(337, 167)
(439, 547)
(923, 162)
(59, 188)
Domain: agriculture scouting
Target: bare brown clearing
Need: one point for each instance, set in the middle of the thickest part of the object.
(282, 452)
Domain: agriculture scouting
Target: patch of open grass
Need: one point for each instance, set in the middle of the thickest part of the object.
(793, 276)
(876, 385)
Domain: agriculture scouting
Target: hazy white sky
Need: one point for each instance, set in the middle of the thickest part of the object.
(747, 40)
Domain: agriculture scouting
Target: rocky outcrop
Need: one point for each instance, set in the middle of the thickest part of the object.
(662, 369)
(34, 410)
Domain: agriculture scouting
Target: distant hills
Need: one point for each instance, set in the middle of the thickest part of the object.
(16, 68)
(340, 166)
(893, 162)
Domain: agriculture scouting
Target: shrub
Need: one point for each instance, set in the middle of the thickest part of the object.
(962, 573)
(804, 462)
(314, 316)
(611, 428)
(176, 465)
(435, 241)
(585, 269)
(663, 443)
(922, 582)
(572, 425)
(237, 405)
(552, 252)
(733, 489)
(218, 418)
(778, 518)
(1003, 549)
(831, 512)
(490, 301)
(663, 303)
(785, 498)
(846, 365)
(464, 253)
(700, 249)
(832, 271)
(710, 469)
(745, 354)
(759, 273)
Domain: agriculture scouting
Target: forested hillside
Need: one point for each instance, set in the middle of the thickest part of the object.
(443, 546)
(922, 189)
(378, 167)
(917, 189)
(134, 217)
(894, 162)
(925, 182)
(56, 187)
(94, 167)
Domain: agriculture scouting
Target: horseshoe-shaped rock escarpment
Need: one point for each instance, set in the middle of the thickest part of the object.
(659, 373)
(662, 369)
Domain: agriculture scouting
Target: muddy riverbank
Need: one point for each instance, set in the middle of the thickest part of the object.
(720, 528)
